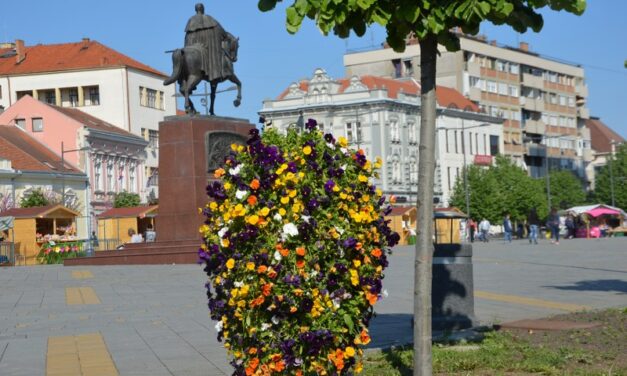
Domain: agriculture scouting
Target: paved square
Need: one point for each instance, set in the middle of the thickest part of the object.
(153, 320)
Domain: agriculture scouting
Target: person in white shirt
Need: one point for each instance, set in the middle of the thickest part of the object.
(484, 228)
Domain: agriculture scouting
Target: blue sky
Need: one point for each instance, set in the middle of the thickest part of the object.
(270, 59)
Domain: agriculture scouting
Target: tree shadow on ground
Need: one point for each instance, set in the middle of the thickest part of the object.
(605, 285)
(396, 361)
(390, 329)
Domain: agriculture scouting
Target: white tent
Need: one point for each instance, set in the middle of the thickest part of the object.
(577, 210)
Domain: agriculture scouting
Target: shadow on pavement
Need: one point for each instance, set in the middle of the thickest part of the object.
(390, 329)
(596, 285)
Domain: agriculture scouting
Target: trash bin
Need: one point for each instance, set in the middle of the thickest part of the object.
(452, 295)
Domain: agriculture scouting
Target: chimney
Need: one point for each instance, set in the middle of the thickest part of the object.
(85, 43)
(523, 46)
(493, 43)
(19, 51)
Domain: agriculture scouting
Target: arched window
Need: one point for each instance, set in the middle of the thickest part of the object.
(396, 170)
(413, 170)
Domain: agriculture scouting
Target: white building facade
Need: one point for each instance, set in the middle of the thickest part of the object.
(95, 79)
(382, 117)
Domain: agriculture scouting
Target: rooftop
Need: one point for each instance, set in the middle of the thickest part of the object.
(86, 54)
(601, 135)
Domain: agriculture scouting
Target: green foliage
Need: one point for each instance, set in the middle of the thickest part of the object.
(504, 187)
(603, 182)
(35, 198)
(566, 190)
(422, 18)
(126, 200)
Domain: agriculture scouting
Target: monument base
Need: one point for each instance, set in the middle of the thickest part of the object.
(191, 148)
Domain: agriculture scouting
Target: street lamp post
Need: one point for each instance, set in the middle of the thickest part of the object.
(63, 151)
(612, 143)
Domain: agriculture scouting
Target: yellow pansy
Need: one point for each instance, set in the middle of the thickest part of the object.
(342, 141)
(282, 212)
(227, 186)
(349, 351)
(307, 150)
(230, 263)
(213, 206)
(285, 200)
(225, 243)
(250, 265)
(253, 219)
(264, 212)
(362, 178)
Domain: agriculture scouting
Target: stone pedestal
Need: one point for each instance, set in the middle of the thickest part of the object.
(190, 149)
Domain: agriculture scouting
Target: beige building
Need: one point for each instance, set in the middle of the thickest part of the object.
(542, 101)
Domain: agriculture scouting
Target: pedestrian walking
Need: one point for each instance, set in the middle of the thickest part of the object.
(472, 225)
(507, 228)
(484, 228)
(554, 224)
(570, 227)
(534, 223)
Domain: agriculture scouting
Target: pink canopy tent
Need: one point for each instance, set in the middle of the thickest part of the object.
(602, 210)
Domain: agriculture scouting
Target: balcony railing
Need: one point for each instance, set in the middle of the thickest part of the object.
(530, 80)
(532, 104)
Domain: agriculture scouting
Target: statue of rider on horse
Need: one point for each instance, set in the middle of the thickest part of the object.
(209, 54)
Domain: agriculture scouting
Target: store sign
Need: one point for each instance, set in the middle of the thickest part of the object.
(483, 160)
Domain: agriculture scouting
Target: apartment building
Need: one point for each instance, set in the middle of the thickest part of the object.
(542, 101)
(382, 117)
(94, 78)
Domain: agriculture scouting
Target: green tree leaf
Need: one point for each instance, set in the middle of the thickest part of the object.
(126, 200)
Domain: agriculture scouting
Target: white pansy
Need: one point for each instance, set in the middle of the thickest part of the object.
(277, 217)
(336, 303)
(385, 293)
(222, 231)
(238, 284)
(240, 194)
(344, 150)
(219, 326)
(265, 326)
(343, 167)
(235, 170)
(330, 145)
(305, 218)
(289, 229)
(275, 320)
(339, 230)
(277, 256)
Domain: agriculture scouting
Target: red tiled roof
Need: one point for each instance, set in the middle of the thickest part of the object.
(92, 121)
(69, 56)
(26, 153)
(135, 211)
(37, 211)
(451, 98)
(601, 135)
(180, 112)
(446, 97)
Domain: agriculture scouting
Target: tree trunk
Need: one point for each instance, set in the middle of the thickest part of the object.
(424, 206)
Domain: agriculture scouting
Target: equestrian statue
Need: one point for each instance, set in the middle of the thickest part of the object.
(209, 54)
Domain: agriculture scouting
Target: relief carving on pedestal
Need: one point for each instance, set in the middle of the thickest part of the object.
(218, 146)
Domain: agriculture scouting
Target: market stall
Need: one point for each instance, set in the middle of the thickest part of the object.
(448, 225)
(35, 228)
(114, 224)
(594, 221)
(403, 221)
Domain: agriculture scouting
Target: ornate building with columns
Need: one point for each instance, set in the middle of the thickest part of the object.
(382, 117)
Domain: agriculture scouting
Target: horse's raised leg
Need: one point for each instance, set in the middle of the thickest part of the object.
(192, 82)
(233, 78)
(214, 86)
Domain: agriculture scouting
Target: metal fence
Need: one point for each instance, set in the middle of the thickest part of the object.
(7, 253)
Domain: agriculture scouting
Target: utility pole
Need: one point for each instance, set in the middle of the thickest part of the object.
(612, 143)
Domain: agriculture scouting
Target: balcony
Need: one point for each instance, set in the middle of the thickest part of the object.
(534, 126)
(583, 113)
(535, 150)
(474, 94)
(530, 80)
(532, 104)
(473, 68)
(581, 90)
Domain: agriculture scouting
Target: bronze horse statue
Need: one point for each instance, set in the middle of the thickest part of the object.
(188, 71)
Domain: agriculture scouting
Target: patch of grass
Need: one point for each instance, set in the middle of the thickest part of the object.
(597, 351)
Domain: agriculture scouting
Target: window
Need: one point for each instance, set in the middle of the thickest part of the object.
(153, 138)
(409, 70)
(494, 145)
(21, 123)
(38, 125)
(502, 88)
(349, 132)
(73, 95)
(413, 170)
(571, 102)
(0, 91)
(93, 95)
(553, 98)
(470, 142)
(500, 65)
(455, 137)
(131, 179)
(513, 91)
(153, 176)
(358, 132)
(477, 142)
(446, 139)
(109, 182)
(152, 98)
(492, 87)
(98, 176)
(398, 69)
(448, 177)
(50, 97)
(396, 170)
(475, 82)
(514, 68)
(412, 133)
(395, 131)
(121, 177)
(485, 145)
